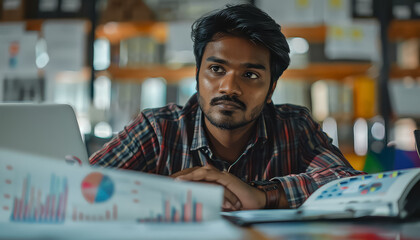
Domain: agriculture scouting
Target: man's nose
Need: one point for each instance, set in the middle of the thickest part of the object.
(229, 85)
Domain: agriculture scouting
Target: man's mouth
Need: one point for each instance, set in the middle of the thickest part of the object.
(228, 105)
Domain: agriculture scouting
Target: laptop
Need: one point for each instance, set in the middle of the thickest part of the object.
(49, 130)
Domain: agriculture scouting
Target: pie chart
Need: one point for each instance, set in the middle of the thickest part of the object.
(97, 188)
(365, 189)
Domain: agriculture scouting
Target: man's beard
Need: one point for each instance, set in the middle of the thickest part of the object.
(226, 124)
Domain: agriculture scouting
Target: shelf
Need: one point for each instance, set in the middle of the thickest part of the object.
(30, 24)
(399, 29)
(36, 24)
(115, 32)
(312, 34)
(171, 75)
(337, 71)
(398, 73)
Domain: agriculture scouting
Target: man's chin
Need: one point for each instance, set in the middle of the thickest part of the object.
(226, 123)
(227, 113)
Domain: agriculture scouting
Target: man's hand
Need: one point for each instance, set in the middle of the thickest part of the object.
(238, 195)
(184, 172)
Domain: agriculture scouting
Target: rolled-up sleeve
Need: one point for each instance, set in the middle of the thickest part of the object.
(319, 162)
(134, 147)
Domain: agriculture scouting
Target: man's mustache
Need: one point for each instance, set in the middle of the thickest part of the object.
(214, 101)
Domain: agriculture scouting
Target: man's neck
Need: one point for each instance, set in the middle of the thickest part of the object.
(228, 145)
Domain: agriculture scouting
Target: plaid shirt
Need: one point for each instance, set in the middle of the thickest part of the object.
(288, 147)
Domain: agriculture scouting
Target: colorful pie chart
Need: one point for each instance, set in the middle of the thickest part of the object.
(365, 189)
(97, 188)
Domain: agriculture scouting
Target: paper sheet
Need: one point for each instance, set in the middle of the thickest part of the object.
(357, 40)
(48, 191)
(66, 41)
(10, 35)
(217, 229)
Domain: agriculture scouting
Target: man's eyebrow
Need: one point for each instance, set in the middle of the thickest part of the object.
(254, 65)
(246, 65)
(215, 59)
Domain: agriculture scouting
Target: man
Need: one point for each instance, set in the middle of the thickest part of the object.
(230, 133)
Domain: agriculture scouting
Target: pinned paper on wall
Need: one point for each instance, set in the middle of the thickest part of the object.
(291, 91)
(26, 56)
(47, 5)
(352, 41)
(404, 95)
(179, 47)
(66, 42)
(10, 35)
(337, 11)
(293, 11)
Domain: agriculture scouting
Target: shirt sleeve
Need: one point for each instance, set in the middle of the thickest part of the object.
(319, 162)
(129, 149)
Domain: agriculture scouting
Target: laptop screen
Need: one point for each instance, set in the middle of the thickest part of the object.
(49, 130)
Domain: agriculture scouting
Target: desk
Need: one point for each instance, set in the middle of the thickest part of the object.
(319, 230)
(366, 229)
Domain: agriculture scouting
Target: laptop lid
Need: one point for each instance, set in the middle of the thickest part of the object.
(49, 130)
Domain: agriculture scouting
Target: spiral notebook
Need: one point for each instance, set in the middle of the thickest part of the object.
(391, 194)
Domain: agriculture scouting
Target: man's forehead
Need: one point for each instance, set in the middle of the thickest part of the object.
(230, 48)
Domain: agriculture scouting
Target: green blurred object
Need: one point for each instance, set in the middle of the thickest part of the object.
(380, 162)
(372, 164)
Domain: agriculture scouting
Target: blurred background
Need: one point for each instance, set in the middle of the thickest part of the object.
(354, 64)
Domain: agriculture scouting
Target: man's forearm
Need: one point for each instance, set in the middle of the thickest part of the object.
(275, 197)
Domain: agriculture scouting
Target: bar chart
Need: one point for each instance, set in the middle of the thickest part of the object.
(108, 215)
(60, 194)
(35, 206)
(189, 211)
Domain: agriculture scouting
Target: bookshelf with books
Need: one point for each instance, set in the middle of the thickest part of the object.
(116, 32)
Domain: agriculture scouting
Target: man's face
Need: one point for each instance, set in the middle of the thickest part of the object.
(234, 81)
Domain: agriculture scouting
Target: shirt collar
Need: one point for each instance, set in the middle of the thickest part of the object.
(261, 129)
(199, 137)
(200, 140)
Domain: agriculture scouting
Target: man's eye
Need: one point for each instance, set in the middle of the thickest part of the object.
(251, 75)
(217, 69)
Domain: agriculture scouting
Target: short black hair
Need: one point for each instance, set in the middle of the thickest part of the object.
(247, 21)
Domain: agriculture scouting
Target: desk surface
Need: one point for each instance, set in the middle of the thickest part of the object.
(330, 230)
(369, 229)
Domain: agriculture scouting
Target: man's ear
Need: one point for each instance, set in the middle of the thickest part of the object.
(270, 93)
(196, 79)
